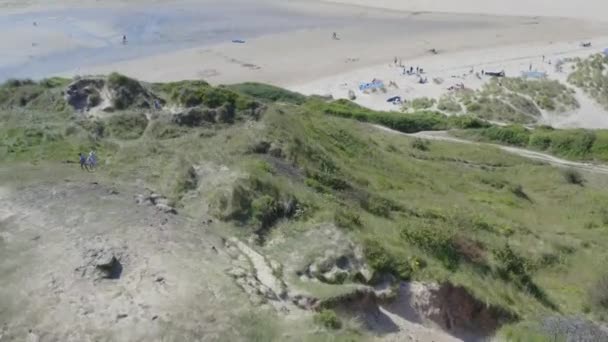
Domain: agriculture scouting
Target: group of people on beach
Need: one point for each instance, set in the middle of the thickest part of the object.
(89, 162)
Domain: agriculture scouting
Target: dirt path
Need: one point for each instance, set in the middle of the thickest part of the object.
(444, 136)
(52, 239)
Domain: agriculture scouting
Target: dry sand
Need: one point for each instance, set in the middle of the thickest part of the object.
(455, 68)
(587, 9)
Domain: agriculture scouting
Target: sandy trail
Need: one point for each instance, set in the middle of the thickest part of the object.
(49, 291)
(444, 136)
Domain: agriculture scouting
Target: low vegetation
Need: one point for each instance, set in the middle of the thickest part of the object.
(576, 144)
(516, 234)
(328, 319)
(511, 100)
(590, 75)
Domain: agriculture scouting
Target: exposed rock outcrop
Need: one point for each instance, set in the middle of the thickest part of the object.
(338, 266)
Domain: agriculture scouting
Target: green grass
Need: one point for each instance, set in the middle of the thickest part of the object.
(268, 93)
(512, 231)
(26, 94)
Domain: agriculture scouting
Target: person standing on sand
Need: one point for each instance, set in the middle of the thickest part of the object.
(124, 40)
(83, 161)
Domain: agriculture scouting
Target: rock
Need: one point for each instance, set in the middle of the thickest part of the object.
(141, 199)
(260, 147)
(276, 267)
(84, 93)
(109, 266)
(121, 316)
(166, 209)
(335, 276)
(154, 197)
(351, 95)
(237, 272)
(275, 151)
(366, 274)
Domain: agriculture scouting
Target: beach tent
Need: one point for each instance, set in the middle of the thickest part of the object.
(606, 51)
(534, 74)
(375, 84)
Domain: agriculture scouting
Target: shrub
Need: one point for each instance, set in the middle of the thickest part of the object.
(434, 240)
(598, 293)
(422, 103)
(449, 105)
(512, 135)
(127, 126)
(420, 144)
(345, 218)
(378, 206)
(265, 210)
(510, 264)
(268, 93)
(572, 176)
(328, 319)
(329, 180)
(518, 191)
(408, 123)
(382, 261)
(467, 122)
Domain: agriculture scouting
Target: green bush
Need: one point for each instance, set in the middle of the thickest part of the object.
(448, 104)
(572, 176)
(466, 122)
(598, 293)
(382, 261)
(127, 126)
(510, 263)
(420, 144)
(408, 123)
(266, 210)
(269, 93)
(377, 205)
(512, 135)
(422, 103)
(329, 180)
(571, 143)
(328, 319)
(518, 191)
(434, 240)
(348, 219)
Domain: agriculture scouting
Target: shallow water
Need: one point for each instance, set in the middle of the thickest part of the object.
(93, 36)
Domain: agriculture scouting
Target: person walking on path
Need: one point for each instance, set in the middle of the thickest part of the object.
(83, 161)
(92, 160)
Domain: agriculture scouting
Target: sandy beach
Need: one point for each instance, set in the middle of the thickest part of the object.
(289, 43)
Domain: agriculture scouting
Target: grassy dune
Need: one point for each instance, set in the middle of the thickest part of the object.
(517, 234)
